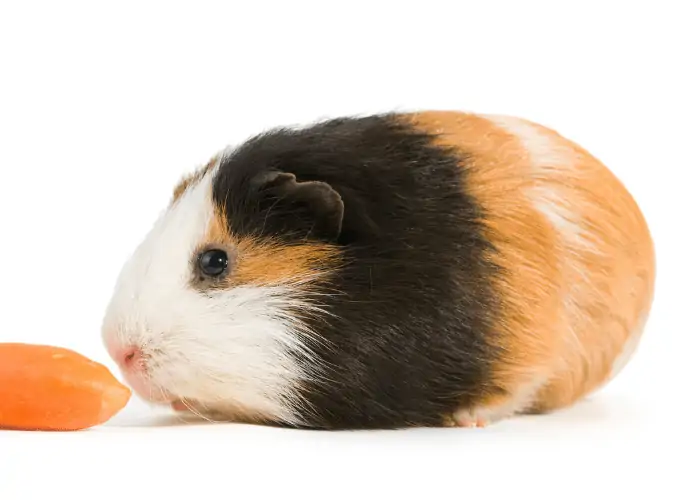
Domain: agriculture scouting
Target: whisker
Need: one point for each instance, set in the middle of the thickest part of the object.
(191, 408)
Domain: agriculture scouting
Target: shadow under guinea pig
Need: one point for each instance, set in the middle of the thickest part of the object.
(593, 411)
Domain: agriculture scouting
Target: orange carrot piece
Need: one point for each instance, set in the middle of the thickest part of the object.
(48, 388)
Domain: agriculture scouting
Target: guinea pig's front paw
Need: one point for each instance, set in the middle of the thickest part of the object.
(179, 406)
(216, 413)
(191, 407)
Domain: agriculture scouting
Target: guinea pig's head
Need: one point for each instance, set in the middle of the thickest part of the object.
(209, 310)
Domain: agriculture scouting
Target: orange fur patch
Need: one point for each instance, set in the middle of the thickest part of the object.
(192, 178)
(267, 262)
(573, 294)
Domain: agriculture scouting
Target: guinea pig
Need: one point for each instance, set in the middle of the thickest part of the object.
(406, 269)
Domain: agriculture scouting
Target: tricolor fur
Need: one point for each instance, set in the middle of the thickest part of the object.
(388, 271)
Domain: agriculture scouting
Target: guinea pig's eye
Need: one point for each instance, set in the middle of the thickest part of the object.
(213, 262)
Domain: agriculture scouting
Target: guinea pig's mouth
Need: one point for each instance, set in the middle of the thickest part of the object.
(134, 364)
(152, 393)
(146, 389)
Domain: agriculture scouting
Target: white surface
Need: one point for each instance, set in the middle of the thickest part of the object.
(102, 108)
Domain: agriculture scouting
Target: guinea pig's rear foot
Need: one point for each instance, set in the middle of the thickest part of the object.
(467, 418)
(486, 414)
(498, 407)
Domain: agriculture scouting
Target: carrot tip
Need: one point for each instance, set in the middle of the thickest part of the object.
(113, 401)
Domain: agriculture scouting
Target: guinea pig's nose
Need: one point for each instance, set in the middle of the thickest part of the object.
(130, 357)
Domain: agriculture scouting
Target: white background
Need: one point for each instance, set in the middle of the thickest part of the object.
(104, 106)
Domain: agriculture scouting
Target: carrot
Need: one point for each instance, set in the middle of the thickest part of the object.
(52, 388)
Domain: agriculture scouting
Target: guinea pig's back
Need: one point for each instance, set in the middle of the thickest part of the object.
(576, 255)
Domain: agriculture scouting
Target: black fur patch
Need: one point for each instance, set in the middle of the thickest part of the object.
(412, 328)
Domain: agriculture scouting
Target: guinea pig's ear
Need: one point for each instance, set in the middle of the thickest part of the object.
(310, 207)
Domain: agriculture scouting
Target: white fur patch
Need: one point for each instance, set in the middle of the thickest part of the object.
(521, 401)
(544, 153)
(227, 352)
(548, 158)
